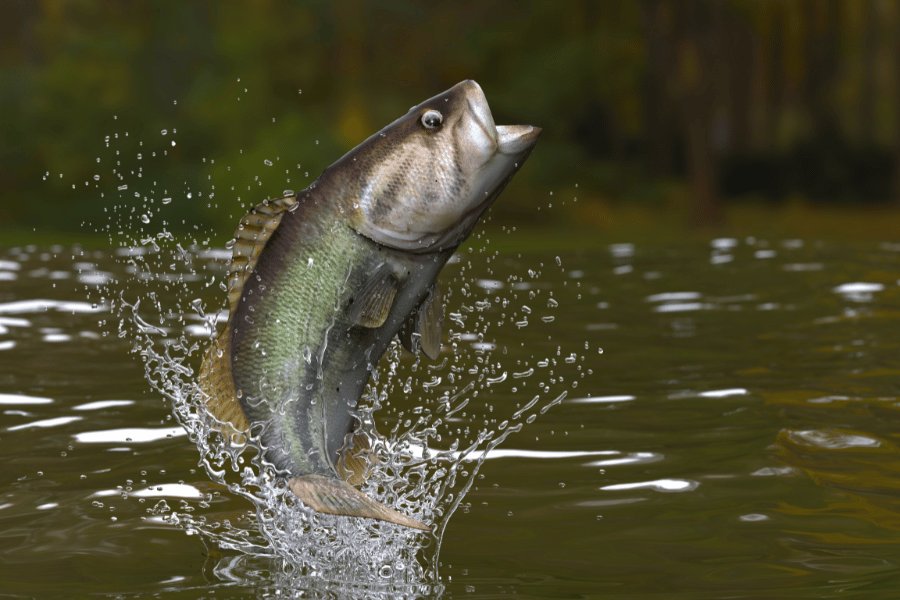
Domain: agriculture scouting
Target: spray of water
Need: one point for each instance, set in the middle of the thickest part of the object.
(433, 424)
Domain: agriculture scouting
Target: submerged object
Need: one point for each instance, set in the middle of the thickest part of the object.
(322, 281)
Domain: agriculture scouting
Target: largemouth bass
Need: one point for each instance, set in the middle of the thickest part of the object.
(322, 281)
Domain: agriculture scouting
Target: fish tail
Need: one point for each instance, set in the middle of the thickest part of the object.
(336, 497)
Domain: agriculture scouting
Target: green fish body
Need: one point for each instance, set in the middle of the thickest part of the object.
(321, 282)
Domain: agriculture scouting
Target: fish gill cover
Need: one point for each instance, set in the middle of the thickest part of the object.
(432, 424)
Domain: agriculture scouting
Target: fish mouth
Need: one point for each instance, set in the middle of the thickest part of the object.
(509, 139)
(516, 139)
(478, 108)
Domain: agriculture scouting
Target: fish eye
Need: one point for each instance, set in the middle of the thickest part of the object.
(432, 119)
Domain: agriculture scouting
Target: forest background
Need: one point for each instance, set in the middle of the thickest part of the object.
(662, 118)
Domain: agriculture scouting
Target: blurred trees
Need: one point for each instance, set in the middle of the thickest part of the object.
(740, 98)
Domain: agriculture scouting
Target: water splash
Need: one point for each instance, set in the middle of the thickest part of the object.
(436, 423)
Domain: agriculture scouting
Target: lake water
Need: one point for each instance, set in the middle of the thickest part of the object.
(729, 429)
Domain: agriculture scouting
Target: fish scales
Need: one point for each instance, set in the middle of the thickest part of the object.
(289, 301)
(322, 282)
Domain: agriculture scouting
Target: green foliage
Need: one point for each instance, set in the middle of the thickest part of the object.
(300, 83)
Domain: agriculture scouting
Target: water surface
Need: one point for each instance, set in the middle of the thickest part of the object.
(733, 431)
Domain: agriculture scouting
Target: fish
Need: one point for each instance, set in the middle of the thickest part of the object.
(321, 282)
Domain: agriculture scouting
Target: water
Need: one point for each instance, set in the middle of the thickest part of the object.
(732, 433)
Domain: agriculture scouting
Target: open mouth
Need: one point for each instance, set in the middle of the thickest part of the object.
(514, 139)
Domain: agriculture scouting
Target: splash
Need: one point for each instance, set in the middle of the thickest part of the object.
(434, 425)
(435, 428)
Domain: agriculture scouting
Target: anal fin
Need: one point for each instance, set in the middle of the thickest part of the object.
(336, 497)
(355, 459)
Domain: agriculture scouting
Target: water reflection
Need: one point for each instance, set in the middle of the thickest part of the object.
(658, 485)
(23, 399)
(132, 434)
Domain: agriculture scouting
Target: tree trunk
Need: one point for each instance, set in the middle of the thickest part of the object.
(896, 199)
(867, 93)
(658, 112)
(821, 63)
(740, 73)
(696, 63)
(775, 79)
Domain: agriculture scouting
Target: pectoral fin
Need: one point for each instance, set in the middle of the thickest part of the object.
(423, 328)
(371, 305)
(336, 497)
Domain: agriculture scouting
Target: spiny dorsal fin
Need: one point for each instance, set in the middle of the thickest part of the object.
(370, 307)
(254, 230)
(423, 327)
(215, 380)
(336, 497)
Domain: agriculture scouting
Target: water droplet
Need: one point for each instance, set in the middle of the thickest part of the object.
(267, 162)
(145, 218)
(164, 131)
(166, 200)
(96, 178)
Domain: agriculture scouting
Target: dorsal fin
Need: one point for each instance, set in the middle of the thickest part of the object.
(423, 327)
(254, 230)
(215, 379)
(372, 304)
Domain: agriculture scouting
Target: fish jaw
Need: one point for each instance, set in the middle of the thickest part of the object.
(420, 189)
(516, 140)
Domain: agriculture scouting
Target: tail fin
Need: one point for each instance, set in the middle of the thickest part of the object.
(336, 497)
